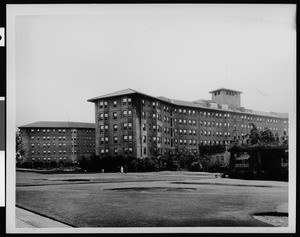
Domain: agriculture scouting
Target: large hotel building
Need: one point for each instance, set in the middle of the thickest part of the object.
(57, 141)
(130, 123)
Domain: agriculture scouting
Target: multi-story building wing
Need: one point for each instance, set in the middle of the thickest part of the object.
(131, 123)
(55, 141)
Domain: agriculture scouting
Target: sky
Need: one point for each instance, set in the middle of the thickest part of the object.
(73, 53)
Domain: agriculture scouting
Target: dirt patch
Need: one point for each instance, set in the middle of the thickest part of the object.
(153, 189)
(226, 184)
(74, 180)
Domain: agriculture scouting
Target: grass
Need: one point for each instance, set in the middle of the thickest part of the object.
(148, 204)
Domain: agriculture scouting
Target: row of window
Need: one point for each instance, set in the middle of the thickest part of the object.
(153, 115)
(49, 158)
(126, 151)
(105, 140)
(60, 145)
(48, 130)
(185, 142)
(104, 116)
(258, 119)
(152, 139)
(48, 138)
(213, 115)
(104, 104)
(214, 124)
(48, 145)
(215, 133)
(224, 142)
(104, 128)
(154, 104)
(184, 112)
(48, 152)
(153, 128)
(185, 132)
(185, 121)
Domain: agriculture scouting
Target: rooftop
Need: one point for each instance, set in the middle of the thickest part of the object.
(225, 89)
(195, 104)
(54, 124)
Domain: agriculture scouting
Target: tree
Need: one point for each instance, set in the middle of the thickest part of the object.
(254, 136)
(20, 150)
(267, 136)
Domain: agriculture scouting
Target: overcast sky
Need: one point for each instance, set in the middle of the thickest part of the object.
(182, 52)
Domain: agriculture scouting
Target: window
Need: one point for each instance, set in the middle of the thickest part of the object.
(32, 138)
(153, 104)
(101, 140)
(130, 150)
(105, 116)
(125, 138)
(116, 151)
(129, 113)
(105, 104)
(129, 126)
(100, 117)
(116, 140)
(101, 128)
(145, 150)
(102, 151)
(106, 128)
(129, 101)
(115, 127)
(144, 127)
(130, 138)
(124, 113)
(125, 126)
(100, 104)
(143, 115)
(124, 101)
(115, 115)
(106, 140)
(106, 152)
(115, 103)
(32, 130)
(144, 139)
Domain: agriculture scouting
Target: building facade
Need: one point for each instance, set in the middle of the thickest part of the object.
(57, 141)
(131, 123)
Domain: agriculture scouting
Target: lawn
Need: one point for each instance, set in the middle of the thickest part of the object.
(164, 199)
